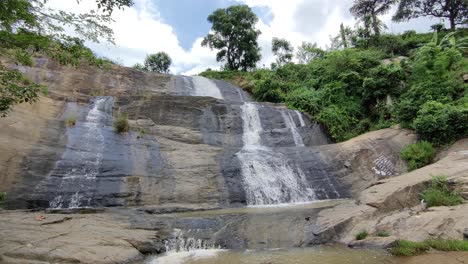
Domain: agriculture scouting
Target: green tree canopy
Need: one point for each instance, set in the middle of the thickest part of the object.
(307, 52)
(159, 62)
(283, 51)
(368, 11)
(456, 11)
(28, 26)
(235, 36)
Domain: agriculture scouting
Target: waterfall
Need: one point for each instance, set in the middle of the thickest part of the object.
(206, 87)
(268, 176)
(80, 164)
(288, 119)
(301, 119)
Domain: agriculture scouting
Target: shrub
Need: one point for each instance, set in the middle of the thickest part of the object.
(70, 121)
(441, 123)
(362, 235)
(383, 234)
(121, 124)
(2, 198)
(439, 194)
(418, 154)
(409, 248)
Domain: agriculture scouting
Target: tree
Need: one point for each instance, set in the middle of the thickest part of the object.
(139, 67)
(456, 11)
(308, 52)
(369, 10)
(235, 36)
(28, 26)
(159, 62)
(283, 50)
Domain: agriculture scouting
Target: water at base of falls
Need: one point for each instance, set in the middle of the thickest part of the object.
(181, 249)
(314, 255)
(269, 177)
(80, 164)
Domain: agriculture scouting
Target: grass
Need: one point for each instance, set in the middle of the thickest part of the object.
(439, 194)
(409, 248)
(70, 121)
(383, 234)
(362, 235)
(121, 124)
(418, 155)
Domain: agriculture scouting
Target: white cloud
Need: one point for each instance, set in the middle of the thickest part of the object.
(139, 30)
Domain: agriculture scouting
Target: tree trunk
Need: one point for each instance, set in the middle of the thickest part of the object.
(452, 22)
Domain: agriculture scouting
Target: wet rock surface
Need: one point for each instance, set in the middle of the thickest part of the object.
(180, 173)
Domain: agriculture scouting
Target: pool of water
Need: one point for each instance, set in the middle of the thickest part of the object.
(319, 255)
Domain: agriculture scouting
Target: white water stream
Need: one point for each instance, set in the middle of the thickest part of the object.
(85, 145)
(268, 176)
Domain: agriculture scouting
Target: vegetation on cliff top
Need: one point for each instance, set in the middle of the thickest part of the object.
(350, 89)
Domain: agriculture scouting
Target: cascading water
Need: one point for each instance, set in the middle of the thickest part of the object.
(289, 120)
(268, 176)
(180, 249)
(206, 87)
(80, 164)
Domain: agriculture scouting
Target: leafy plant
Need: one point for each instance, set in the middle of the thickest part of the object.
(362, 235)
(121, 124)
(159, 62)
(438, 193)
(418, 154)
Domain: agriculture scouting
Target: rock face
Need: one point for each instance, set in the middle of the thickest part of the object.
(189, 146)
(197, 153)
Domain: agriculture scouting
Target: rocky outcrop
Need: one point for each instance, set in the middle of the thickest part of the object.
(180, 172)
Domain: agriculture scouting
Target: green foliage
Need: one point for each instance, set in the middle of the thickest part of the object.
(456, 11)
(70, 121)
(418, 154)
(383, 234)
(16, 89)
(307, 52)
(235, 36)
(439, 194)
(159, 62)
(283, 50)
(3, 196)
(448, 245)
(121, 124)
(409, 248)
(441, 123)
(139, 67)
(362, 235)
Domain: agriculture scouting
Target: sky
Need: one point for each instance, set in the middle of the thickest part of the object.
(178, 27)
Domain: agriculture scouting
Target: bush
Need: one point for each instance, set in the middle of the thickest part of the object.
(362, 235)
(439, 194)
(418, 154)
(441, 123)
(121, 124)
(2, 198)
(383, 234)
(448, 245)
